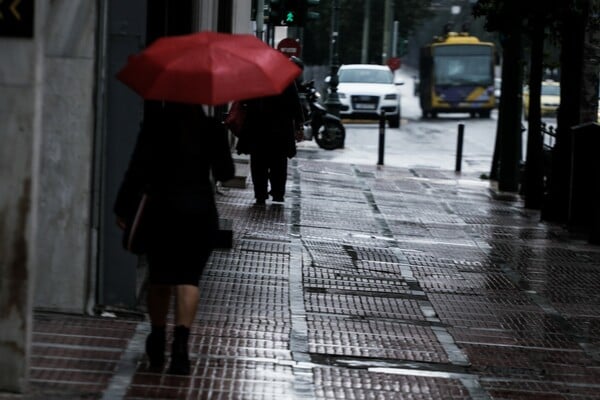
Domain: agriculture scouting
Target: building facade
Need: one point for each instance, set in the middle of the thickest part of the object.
(67, 128)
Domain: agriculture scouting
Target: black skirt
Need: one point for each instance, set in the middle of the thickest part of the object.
(181, 235)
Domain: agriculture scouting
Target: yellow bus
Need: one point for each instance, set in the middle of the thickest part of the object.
(456, 74)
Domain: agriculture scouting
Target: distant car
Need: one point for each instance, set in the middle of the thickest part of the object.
(366, 90)
(550, 99)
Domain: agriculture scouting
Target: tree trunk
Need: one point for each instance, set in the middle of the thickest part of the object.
(511, 105)
(556, 208)
(533, 183)
(590, 74)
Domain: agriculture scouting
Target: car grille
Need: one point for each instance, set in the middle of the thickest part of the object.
(365, 103)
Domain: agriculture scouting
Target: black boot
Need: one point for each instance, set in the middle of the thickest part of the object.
(180, 359)
(155, 347)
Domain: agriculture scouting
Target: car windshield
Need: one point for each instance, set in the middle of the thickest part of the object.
(365, 76)
(550, 90)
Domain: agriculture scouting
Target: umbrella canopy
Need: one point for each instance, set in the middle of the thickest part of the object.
(208, 68)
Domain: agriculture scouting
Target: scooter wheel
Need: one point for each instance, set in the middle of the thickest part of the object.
(331, 135)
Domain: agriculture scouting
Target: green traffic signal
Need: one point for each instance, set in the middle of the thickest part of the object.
(290, 18)
(292, 12)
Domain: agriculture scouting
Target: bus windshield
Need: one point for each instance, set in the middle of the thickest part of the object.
(462, 65)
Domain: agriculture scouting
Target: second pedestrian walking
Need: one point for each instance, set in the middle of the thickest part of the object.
(269, 136)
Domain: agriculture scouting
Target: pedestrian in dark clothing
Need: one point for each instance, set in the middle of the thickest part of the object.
(269, 136)
(177, 150)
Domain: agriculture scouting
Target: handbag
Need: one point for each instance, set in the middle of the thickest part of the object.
(235, 118)
(134, 235)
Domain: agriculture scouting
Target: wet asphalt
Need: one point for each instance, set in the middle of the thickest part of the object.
(367, 283)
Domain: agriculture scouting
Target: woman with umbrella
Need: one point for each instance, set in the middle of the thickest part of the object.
(177, 150)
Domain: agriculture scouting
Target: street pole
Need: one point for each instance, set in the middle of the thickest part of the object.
(395, 39)
(364, 54)
(333, 100)
(260, 18)
(388, 17)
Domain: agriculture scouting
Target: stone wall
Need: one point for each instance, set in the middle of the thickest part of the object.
(67, 156)
(21, 67)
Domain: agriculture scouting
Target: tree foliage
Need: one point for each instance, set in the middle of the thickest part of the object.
(502, 14)
(351, 17)
(569, 24)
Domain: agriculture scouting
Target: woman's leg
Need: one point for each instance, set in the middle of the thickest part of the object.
(158, 299)
(187, 296)
(186, 304)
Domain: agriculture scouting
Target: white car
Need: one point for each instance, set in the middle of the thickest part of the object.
(366, 90)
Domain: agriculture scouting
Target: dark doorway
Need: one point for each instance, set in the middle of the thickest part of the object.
(169, 18)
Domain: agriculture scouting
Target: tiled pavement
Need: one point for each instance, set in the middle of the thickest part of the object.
(367, 284)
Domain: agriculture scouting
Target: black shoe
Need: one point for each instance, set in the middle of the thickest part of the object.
(260, 202)
(278, 199)
(155, 348)
(180, 359)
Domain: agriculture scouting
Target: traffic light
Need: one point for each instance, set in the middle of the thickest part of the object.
(402, 46)
(293, 12)
(275, 12)
(253, 10)
(309, 14)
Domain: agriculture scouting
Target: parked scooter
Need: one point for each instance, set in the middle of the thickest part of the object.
(327, 129)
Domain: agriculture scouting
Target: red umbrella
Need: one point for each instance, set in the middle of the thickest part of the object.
(208, 68)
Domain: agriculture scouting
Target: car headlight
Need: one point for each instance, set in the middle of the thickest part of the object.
(391, 96)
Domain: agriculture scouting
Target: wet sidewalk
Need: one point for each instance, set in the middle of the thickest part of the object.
(365, 284)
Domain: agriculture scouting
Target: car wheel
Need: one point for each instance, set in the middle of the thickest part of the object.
(394, 121)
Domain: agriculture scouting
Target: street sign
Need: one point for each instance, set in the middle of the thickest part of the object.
(289, 47)
(394, 63)
(16, 18)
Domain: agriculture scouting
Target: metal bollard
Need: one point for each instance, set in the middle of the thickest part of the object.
(459, 147)
(381, 137)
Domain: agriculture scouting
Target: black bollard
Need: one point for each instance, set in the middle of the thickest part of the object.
(381, 137)
(459, 147)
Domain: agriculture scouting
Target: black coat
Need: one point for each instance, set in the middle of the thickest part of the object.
(177, 149)
(271, 123)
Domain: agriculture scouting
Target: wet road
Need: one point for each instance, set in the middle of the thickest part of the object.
(429, 143)
(417, 143)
